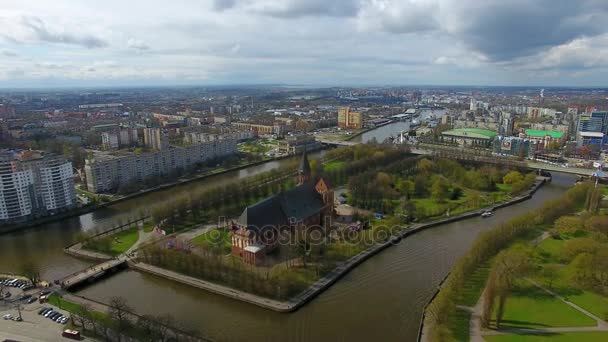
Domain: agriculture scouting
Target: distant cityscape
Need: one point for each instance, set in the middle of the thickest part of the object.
(123, 141)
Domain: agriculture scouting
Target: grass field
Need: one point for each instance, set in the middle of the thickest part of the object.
(61, 303)
(333, 166)
(214, 238)
(530, 307)
(473, 286)
(592, 336)
(122, 241)
(459, 325)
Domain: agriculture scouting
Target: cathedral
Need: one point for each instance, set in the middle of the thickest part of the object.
(256, 232)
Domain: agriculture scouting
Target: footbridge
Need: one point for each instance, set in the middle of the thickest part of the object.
(93, 273)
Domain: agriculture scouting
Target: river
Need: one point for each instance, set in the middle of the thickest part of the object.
(382, 299)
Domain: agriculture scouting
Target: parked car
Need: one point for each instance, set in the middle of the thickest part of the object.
(31, 300)
(43, 311)
(17, 319)
(48, 313)
(7, 317)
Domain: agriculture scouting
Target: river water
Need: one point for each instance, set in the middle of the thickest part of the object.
(382, 299)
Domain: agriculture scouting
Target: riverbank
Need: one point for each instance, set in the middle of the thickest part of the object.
(324, 283)
(4, 229)
(468, 272)
(363, 131)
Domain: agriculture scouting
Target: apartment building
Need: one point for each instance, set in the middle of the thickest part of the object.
(348, 119)
(109, 171)
(33, 184)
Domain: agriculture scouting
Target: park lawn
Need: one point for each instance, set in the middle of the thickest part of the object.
(215, 237)
(333, 166)
(531, 307)
(148, 227)
(474, 285)
(552, 247)
(591, 336)
(590, 301)
(504, 187)
(459, 325)
(122, 241)
(58, 301)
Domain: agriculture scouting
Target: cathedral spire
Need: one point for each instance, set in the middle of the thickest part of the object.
(304, 169)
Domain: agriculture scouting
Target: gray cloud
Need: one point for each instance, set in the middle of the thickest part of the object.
(503, 30)
(304, 8)
(8, 53)
(221, 5)
(41, 33)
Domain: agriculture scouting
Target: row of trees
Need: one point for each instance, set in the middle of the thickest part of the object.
(119, 323)
(229, 200)
(487, 245)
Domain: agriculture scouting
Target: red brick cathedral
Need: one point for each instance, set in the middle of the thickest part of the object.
(310, 203)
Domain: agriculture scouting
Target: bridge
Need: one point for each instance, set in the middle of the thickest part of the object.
(92, 273)
(485, 156)
(326, 141)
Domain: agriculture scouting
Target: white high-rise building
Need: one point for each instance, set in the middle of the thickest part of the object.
(33, 184)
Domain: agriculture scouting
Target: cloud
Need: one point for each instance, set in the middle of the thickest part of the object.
(8, 53)
(398, 16)
(306, 8)
(221, 5)
(137, 44)
(39, 32)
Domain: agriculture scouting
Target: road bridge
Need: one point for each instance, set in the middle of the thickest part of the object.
(91, 274)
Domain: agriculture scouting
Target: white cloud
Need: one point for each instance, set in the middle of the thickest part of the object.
(137, 44)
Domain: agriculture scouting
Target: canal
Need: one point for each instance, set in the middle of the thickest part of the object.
(382, 299)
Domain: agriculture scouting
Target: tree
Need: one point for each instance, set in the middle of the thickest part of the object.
(598, 223)
(569, 225)
(425, 166)
(420, 187)
(440, 190)
(119, 311)
(30, 270)
(509, 265)
(550, 272)
(513, 177)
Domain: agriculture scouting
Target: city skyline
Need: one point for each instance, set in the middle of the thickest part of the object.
(350, 42)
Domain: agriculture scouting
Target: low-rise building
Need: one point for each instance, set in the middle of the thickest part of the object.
(469, 137)
(298, 143)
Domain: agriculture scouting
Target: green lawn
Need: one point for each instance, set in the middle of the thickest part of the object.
(214, 238)
(473, 286)
(592, 336)
(61, 303)
(148, 227)
(530, 307)
(333, 166)
(122, 241)
(459, 325)
(552, 247)
(561, 284)
(504, 187)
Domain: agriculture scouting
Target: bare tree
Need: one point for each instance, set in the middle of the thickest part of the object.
(119, 312)
(30, 270)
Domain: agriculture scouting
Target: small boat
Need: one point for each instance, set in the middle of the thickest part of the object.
(487, 214)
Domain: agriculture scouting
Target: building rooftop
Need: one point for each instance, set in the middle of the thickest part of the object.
(542, 134)
(471, 133)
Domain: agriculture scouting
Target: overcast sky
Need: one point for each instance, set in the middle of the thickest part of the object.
(315, 42)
